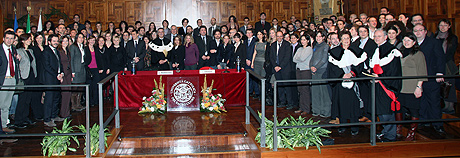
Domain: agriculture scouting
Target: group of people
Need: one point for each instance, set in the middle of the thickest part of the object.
(377, 46)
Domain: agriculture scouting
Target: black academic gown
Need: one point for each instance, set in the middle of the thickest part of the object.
(157, 56)
(345, 102)
(392, 69)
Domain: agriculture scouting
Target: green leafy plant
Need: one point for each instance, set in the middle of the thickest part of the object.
(57, 12)
(294, 137)
(58, 145)
(94, 135)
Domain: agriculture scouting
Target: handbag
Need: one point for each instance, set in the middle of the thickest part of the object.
(445, 89)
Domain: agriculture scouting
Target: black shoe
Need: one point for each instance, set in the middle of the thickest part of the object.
(29, 122)
(10, 125)
(380, 136)
(353, 133)
(387, 140)
(440, 130)
(341, 130)
(23, 125)
(290, 107)
(281, 105)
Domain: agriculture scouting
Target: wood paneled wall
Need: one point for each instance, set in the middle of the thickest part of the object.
(147, 11)
(432, 10)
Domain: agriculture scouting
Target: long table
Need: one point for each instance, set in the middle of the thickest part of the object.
(132, 88)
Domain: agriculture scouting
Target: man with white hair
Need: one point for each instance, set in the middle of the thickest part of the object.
(386, 62)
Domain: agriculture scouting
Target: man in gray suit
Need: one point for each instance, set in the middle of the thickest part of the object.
(77, 56)
(172, 34)
(213, 27)
(8, 71)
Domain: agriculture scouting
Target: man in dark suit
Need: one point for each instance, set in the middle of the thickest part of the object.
(430, 107)
(135, 49)
(214, 49)
(245, 26)
(262, 24)
(196, 31)
(281, 57)
(213, 27)
(53, 73)
(8, 76)
(76, 18)
(250, 42)
(159, 61)
(173, 33)
(203, 42)
(295, 44)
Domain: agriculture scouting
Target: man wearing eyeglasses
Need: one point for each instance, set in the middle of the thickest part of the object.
(418, 19)
(430, 107)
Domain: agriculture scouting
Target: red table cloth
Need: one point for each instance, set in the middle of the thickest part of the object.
(132, 88)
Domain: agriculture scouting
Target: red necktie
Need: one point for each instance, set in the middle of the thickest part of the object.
(10, 57)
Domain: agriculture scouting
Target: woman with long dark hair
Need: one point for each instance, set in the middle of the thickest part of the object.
(321, 102)
(449, 46)
(63, 50)
(30, 98)
(302, 59)
(232, 23)
(123, 26)
(79, 71)
(176, 55)
(413, 64)
(94, 61)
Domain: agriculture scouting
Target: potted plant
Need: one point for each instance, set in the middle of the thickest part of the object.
(94, 135)
(294, 137)
(58, 145)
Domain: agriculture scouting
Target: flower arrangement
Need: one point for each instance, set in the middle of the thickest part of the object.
(209, 101)
(155, 103)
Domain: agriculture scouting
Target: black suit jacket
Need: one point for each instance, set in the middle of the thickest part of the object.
(4, 64)
(203, 48)
(214, 56)
(250, 49)
(434, 56)
(177, 55)
(241, 52)
(182, 31)
(225, 53)
(51, 65)
(284, 57)
(99, 58)
(259, 27)
(140, 50)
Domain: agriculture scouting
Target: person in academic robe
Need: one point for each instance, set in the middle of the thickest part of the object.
(176, 55)
(386, 62)
(346, 61)
(159, 60)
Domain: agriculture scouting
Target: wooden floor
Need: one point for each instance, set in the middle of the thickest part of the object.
(225, 132)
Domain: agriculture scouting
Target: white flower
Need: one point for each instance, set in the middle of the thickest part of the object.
(143, 98)
(210, 108)
(211, 115)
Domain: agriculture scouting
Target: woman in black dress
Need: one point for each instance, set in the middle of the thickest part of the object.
(176, 55)
(118, 56)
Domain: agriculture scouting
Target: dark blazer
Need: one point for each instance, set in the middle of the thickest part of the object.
(434, 56)
(250, 50)
(225, 52)
(4, 64)
(118, 58)
(196, 32)
(213, 56)
(157, 56)
(131, 50)
(177, 55)
(105, 54)
(168, 36)
(51, 65)
(203, 47)
(258, 26)
(241, 52)
(210, 31)
(182, 30)
(451, 67)
(243, 29)
(77, 66)
(284, 57)
(99, 59)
